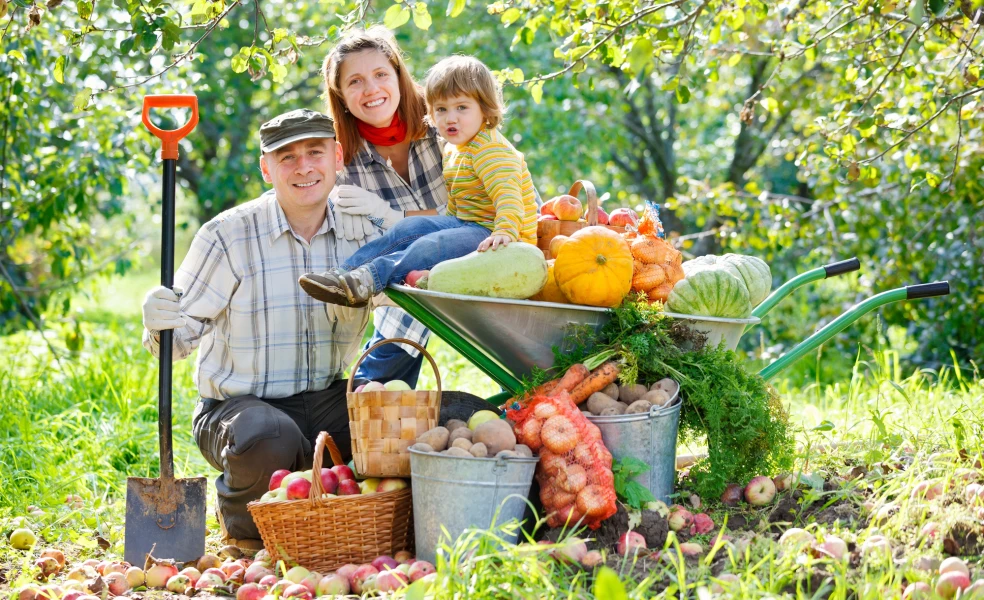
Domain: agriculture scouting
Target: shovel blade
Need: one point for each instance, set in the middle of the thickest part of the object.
(167, 515)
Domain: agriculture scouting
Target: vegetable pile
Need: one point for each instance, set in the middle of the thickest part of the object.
(721, 286)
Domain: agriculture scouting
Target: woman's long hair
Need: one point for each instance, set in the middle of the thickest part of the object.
(412, 108)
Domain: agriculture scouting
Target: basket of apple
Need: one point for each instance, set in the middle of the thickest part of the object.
(386, 419)
(326, 521)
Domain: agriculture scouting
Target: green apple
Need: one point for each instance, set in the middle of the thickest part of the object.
(369, 485)
(396, 385)
(23, 539)
(481, 417)
(374, 386)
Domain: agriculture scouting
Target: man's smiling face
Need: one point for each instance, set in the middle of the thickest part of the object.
(302, 173)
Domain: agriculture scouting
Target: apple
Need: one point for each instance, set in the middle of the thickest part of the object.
(23, 539)
(481, 417)
(311, 582)
(369, 485)
(917, 590)
(680, 518)
(832, 546)
(329, 481)
(48, 567)
(360, 388)
(547, 208)
(116, 583)
(783, 481)
(952, 582)
(267, 582)
(346, 571)
(135, 577)
(630, 542)
(250, 591)
(927, 490)
(724, 579)
(954, 565)
(623, 217)
(974, 592)
(973, 492)
(278, 587)
(930, 530)
(158, 575)
(255, 572)
(191, 573)
(760, 491)
(348, 487)
(414, 276)
(732, 494)
(343, 472)
(384, 562)
(567, 208)
(390, 484)
(547, 218)
(419, 569)
(333, 585)
(234, 573)
(360, 576)
(179, 584)
(218, 572)
(298, 489)
(28, 592)
(571, 550)
(404, 556)
(702, 524)
(691, 549)
(297, 591)
(877, 545)
(54, 553)
(795, 538)
(296, 574)
(276, 478)
(211, 561)
(289, 478)
(374, 386)
(210, 581)
(396, 385)
(593, 559)
(390, 580)
(602, 216)
(76, 594)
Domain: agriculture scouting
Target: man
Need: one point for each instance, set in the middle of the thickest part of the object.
(271, 358)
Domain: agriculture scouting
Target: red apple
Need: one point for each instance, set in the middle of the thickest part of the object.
(414, 276)
(702, 524)
(311, 582)
(547, 209)
(547, 218)
(384, 562)
(567, 208)
(623, 217)
(216, 571)
(158, 575)
(420, 568)
(333, 585)
(343, 472)
(116, 583)
(360, 576)
(348, 487)
(54, 553)
(602, 216)
(267, 582)
(680, 518)
(630, 542)
(832, 546)
(390, 580)
(952, 582)
(593, 559)
(955, 565)
(760, 491)
(404, 556)
(192, 573)
(732, 494)
(48, 567)
(783, 481)
(275, 480)
(211, 580)
(346, 570)
(570, 550)
(917, 591)
(360, 388)
(298, 489)
(250, 591)
(691, 549)
(256, 572)
(297, 590)
(278, 588)
(329, 481)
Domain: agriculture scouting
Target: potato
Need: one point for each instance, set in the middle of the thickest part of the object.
(612, 411)
(507, 454)
(611, 390)
(422, 447)
(458, 452)
(524, 451)
(479, 450)
(462, 443)
(667, 385)
(496, 434)
(587, 413)
(639, 406)
(625, 407)
(658, 397)
(461, 432)
(455, 424)
(436, 438)
(598, 402)
(631, 393)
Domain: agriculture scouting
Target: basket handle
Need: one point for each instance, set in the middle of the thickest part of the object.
(324, 441)
(430, 359)
(592, 194)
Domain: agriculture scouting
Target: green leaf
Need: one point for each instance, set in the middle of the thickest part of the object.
(511, 16)
(60, 69)
(17, 54)
(455, 7)
(85, 9)
(536, 90)
(770, 104)
(279, 34)
(396, 16)
(126, 46)
(938, 7)
(516, 76)
(278, 72)
(734, 60)
(607, 585)
(933, 179)
(641, 54)
(240, 62)
(421, 18)
(81, 100)
(851, 74)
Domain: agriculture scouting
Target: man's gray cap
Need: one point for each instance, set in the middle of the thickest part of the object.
(293, 126)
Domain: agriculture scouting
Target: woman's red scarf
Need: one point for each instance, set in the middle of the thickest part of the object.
(392, 135)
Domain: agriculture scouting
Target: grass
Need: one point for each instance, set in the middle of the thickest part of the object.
(83, 426)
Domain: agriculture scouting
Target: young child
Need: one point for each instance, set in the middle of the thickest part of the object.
(491, 202)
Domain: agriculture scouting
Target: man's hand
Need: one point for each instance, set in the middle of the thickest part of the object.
(353, 200)
(352, 227)
(344, 314)
(161, 309)
(494, 241)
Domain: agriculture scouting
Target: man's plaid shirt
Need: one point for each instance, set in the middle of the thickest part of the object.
(426, 190)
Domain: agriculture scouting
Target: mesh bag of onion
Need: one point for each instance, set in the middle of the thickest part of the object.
(575, 468)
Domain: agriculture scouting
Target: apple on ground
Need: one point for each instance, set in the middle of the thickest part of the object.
(268, 581)
(360, 575)
(951, 583)
(680, 518)
(333, 585)
(296, 590)
(250, 591)
(593, 559)
(732, 494)
(390, 580)
(384, 562)
(570, 550)
(832, 546)
(691, 549)
(877, 545)
(702, 524)
(419, 569)
(954, 564)
(211, 580)
(630, 542)
(760, 491)
(917, 590)
(796, 538)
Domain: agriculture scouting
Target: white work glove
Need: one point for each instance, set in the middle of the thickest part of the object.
(353, 200)
(353, 227)
(161, 309)
(344, 314)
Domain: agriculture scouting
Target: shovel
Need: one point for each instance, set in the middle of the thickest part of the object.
(166, 515)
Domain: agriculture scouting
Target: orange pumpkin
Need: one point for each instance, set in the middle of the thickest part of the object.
(594, 267)
(551, 291)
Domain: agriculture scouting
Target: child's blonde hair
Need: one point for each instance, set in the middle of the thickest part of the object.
(466, 76)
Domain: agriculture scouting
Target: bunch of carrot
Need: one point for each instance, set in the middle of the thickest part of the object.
(579, 382)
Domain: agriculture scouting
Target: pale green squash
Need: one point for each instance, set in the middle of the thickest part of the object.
(516, 271)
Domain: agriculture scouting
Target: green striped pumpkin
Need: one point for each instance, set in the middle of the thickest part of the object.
(712, 293)
(756, 274)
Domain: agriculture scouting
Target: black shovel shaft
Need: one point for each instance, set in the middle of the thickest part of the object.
(167, 337)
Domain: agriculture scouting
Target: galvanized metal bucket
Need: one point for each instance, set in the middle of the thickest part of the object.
(456, 493)
(651, 437)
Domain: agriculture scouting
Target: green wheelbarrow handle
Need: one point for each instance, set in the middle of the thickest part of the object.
(831, 270)
(912, 292)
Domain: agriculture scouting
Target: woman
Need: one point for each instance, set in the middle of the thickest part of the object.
(392, 169)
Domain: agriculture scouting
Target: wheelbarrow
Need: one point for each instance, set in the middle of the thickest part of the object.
(506, 338)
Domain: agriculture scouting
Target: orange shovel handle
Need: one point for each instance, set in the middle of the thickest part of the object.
(171, 137)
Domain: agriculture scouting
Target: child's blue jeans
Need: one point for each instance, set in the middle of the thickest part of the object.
(414, 244)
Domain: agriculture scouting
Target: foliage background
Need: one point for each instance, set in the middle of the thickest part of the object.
(800, 131)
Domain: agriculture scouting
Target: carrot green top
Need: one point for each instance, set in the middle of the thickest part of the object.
(489, 184)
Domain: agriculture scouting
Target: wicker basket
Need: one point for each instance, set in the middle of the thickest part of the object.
(323, 534)
(385, 424)
(548, 230)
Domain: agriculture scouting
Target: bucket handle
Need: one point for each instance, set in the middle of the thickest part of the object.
(430, 359)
